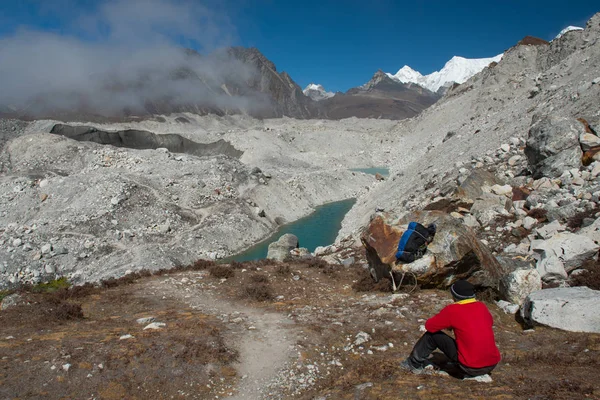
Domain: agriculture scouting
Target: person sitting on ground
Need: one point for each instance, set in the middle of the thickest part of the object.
(414, 241)
(474, 349)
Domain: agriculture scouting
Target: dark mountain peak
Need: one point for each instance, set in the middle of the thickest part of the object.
(532, 41)
(251, 55)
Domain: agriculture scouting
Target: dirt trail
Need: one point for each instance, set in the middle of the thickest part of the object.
(265, 340)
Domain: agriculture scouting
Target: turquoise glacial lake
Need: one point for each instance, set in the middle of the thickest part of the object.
(372, 171)
(318, 229)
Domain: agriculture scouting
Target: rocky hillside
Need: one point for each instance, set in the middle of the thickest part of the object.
(381, 97)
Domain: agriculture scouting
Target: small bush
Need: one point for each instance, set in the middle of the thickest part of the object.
(221, 271)
(590, 276)
(258, 292)
(538, 213)
(67, 311)
(203, 264)
(52, 286)
(576, 221)
(259, 278)
(283, 269)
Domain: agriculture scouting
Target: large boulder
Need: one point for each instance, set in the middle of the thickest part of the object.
(455, 252)
(553, 145)
(488, 207)
(280, 250)
(517, 285)
(562, 253)
(572, 309)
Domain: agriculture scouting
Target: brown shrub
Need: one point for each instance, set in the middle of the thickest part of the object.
(590, 277)
(221, 271)
(520, 193)
(66, 311)
(576, 221)
(259, 278)
(258, 292)
(203, 264)
(283, 269)
(538, 213)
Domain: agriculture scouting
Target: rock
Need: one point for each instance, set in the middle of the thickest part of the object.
(529, 223)
(43, 197)
(17, 242)
(12, 300)
(513, 160)
(46, 248)
(379, 177)
(261, 213)
(549, 230)
(505, 190)
(517, 285)
(66, 367)
(489, 206)
(589, 141)
(155, 325)
(471, 221)
(455, 252)
(544, 184)
(481, 379)
(164, 228)
(553, 145)
(44, 183)
(321, 250)
(472, 187)
(49, 269)
(348, 261)
(145, 320)
(125, 337)
(570, 248)
(507, 307)
(595, 170)
(280, 250)
(505, 147)
(573, 309)
(361, 337)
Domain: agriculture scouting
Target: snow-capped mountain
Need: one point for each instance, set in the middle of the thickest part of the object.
(317, 92)
(568, 29)
(458, 69)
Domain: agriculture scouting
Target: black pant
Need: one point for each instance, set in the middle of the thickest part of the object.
(439, 340)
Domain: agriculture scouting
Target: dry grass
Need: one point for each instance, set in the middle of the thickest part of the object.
(221, 271)
(590, 277)
(576, 221)
(538, 213)
(257, 292)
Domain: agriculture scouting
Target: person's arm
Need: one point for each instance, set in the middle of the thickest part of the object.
(440, 321)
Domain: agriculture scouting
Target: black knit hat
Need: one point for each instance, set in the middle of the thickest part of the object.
(462, 290)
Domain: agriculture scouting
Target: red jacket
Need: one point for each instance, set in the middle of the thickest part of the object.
(472, 325)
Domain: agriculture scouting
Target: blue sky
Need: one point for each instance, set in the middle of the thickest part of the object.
(339, 44)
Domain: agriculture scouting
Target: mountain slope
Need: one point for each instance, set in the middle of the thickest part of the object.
(381, 97)
(317, 92)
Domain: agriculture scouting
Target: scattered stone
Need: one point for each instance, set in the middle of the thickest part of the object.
(17, 242)
(145, 320)
(155, 325)
(505, 190)
(12, 300)
(66, 367)
(125, 337)
(46, 248)
(507, 307)
(361, 337)
(481, 379)
(529, 223)
(517, 285)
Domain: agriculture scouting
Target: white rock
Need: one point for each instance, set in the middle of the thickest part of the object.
(588, 141)
(361, 337)
(549, 230)
(17, 242)
(481, 378)
(507, 307)
(145, 320)
(505, 147)
(513, 160)
(125, 337)
(517, 285)
(66, 367)
(595, 170)
(573, 309)
(529, 223)
(505, 190)
(570, 248)
(47, 248)
(44, 183)
(49, 269)
(155, 325)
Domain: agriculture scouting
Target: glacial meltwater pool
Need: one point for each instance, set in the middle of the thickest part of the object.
(372, 171)
(318, 229)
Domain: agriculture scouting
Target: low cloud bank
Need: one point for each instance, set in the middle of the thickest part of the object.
(125, 57)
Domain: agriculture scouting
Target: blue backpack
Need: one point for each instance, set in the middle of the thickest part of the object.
(414, 241)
